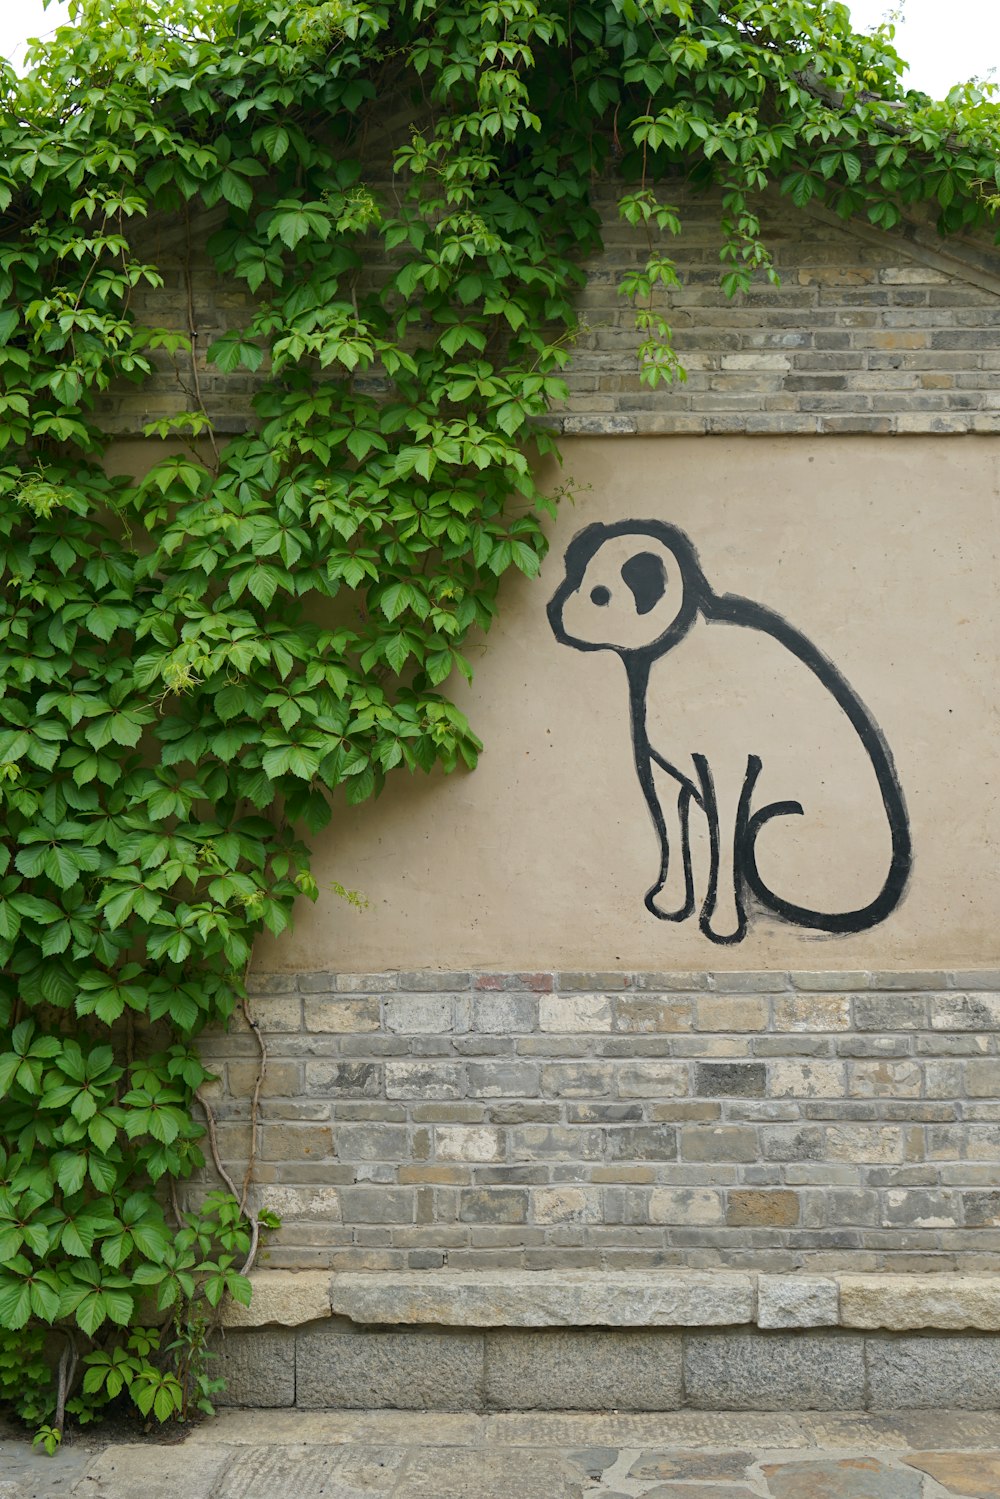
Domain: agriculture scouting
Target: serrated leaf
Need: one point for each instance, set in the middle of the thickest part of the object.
(72, 1172)
(15, 1304)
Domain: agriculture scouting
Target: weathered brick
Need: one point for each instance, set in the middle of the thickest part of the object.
(542, 1142)
(671, 983)
(281, 1080)
(295, 1142)
(345, 1079)
(722, 1142)
(578, 1080)
(271, 983)
(564, 1204)
(812, 1012)
(329, 1014)
(377, 1204)
(862, 1142)
(981, 1209)
(965, 1012)
(354, 983)
(502, 1079)
(418, 1014)
(885, 1079)
(642, 1142)
(590, 982)
(750, 982)
(822, 981)
(739, 1080)
(573, 1013)
(277, 1013)
(912, 1208)
(724, 1012)
(504, 1013)
(493, 1205)
(642, 1015)
(424, 1080)
(430, 982)
(652, 1080)
(371, 1142)
(686, 1206)
(808, 1079)
(750, 1209)
(793, 1142)
(982, 1078)
(604, 1113)
(456, 1142)
(890, 1012)
(536, 982)
(315, 1202)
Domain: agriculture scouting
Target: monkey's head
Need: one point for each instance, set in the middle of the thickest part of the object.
(633, 587)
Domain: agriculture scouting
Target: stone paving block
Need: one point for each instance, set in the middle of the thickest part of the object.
(961, 1473)
(934, 1372)
(774, 1371)
(700, 1491)
(258, 1365)
(441, 1473)
(848, 1478)
(404, 1371)
(163, 1473)
(28, 1473)
(312, 1473)
(722, 1467)
(594, 1460)
(583, 1370)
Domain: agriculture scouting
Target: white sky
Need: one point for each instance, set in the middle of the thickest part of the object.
(945, 41)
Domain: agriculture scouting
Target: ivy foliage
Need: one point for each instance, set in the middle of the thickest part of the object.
(403, 189)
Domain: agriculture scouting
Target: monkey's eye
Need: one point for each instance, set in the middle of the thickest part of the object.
(600, 596)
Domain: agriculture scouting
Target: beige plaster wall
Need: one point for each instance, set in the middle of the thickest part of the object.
(882, 553)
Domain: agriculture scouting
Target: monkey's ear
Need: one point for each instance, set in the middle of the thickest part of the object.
(647, 578)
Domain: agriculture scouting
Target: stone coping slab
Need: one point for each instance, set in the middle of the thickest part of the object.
(526, 1298)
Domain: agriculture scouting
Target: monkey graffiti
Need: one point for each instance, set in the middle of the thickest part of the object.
(754, 750)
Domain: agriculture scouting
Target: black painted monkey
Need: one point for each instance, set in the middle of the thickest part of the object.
(733, 750)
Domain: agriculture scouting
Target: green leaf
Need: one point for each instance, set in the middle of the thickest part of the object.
(236, 190)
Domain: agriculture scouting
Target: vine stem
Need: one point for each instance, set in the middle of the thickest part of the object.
(193, 331)
(67, 1373)
(242, 1195)
(213, 1143)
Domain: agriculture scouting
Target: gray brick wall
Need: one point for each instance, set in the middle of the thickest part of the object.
(868, 332)
(761, 1121)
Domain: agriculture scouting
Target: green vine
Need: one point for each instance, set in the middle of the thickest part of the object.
(178, 698)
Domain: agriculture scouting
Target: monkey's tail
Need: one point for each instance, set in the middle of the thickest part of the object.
(839, 922)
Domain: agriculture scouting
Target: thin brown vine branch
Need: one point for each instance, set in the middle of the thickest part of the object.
(66, 1375)
(193, 332)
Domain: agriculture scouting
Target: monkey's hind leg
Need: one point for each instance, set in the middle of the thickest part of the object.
(723, 916)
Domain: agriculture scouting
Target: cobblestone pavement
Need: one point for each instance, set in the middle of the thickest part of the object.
(406, 1455)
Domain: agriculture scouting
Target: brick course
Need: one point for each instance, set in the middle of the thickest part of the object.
(867, 332)
(822, 1129)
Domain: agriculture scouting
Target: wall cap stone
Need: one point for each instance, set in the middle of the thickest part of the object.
(287, 1297)
(908, 1302)
(527, 1298)
(675, 1298)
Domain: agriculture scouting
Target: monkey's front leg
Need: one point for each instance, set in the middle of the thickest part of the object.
(672, 897)
(725, 794)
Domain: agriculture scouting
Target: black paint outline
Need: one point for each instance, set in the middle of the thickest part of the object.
(699, 598)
